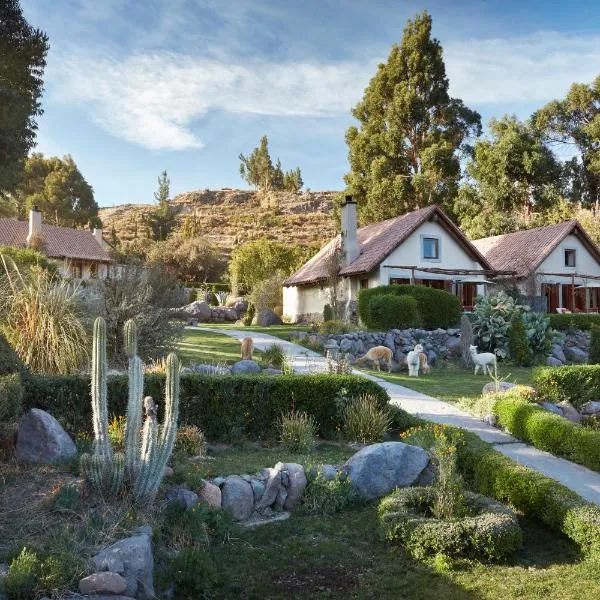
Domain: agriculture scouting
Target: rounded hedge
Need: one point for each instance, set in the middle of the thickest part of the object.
(393, 312)
(489, 531)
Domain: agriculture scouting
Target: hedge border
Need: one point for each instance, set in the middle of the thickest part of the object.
(576, 383)
(568, 322)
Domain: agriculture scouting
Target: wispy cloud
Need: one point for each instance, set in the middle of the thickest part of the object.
(157, 100)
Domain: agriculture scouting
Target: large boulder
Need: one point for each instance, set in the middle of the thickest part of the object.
(104, 582)
(454, 348)
(245, 366)
(266, 318)
(557, 352)
(184, 498)
(378, 469)
(272, 478)
(591, 408)
(577, 355)
(238, 497)
(569, 411)
(551, 361)
(210, 494)
(199, 310)
(295, 482)
(41, 439)
(132, 559)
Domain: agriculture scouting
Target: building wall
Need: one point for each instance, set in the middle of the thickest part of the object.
(65, 268)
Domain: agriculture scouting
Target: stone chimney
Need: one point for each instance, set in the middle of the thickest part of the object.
(97, 233)
(35, 224)
(349, 235)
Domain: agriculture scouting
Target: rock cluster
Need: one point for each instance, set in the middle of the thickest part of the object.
(200, 311)
(574, 349)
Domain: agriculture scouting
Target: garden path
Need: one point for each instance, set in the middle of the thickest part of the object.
(581, 480)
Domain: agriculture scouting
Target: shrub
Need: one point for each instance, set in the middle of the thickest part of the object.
(23, 574)
(9, 359)
(393, 312)
(249, 316)
(594, 357)
(194, 574)
(249, 404)
(327, 313)
(11, 395)
(518, 345)
(273, 356)
(365, 421)
(436, 307)
(324, 496)
(267, 294)
(297, 432)
(576, 383)
(116, 432)
(570, 322)
(539, 332)
(448, 498)
(190, 441)
(333, 328)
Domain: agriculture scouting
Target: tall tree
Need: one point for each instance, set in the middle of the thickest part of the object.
(575, 121)
(23, 52)
(162, 220)
(57, 187)
(405, 154)
(512, 175)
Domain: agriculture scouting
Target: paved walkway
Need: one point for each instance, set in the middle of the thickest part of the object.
(581, 480)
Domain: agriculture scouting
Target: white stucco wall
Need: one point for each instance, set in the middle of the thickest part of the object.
(304, 300)
(64, 268)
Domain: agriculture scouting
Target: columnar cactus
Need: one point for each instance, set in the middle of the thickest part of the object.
(99, 403)
(134, 402)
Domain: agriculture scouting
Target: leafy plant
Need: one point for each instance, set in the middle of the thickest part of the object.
(297, 431)
(194, 574)
(518, 343)
(333, 327)
(116, 431)
(23, 574)
(11, 396)
(449, 499)
(190, 441)
(324, 496)
(539, 332)
(365, 421)
(273, 356)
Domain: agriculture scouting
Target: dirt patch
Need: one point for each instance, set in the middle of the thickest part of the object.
(336, 578)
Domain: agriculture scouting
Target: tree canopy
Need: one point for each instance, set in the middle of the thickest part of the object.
(162, 220)
(23, 52)
(405, 153)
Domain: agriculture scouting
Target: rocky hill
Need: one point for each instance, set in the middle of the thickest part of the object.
(230, 217)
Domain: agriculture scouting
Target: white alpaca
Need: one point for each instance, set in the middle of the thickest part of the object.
(487, 360)
(413, 362)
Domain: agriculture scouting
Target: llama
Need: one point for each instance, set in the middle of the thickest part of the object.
(413, 360)
(247, 348)
(375, 354)
(487, 360)
(424, 364)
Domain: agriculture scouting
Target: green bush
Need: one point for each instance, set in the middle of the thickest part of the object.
(436, 307)
(23, 574)
(327, 313)
(194, 574)
(273, 356)
(576, 383)
(594, 357)
(548, 431)
(297, 432)
(190, 441)
(569, 322)
(9, 359)
(518, 345)
(250, 404)
(393, 312)
(333, 327)
(11, 395)
(365, 421)
(324, 496)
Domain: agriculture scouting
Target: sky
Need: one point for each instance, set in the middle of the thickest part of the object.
(134, 87)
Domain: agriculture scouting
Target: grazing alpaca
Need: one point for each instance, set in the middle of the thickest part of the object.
(247, 348)
(424, 364)
(375, 354)
(413, 360)
(487, 360)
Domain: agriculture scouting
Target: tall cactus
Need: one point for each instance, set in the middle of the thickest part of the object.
(134, 402)
(102, 446)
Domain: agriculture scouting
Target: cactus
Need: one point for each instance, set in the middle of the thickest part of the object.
(102, 445)
(134, 402)
(130, 338)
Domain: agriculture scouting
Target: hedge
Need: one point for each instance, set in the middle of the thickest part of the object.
(393, 312)
(567, 322)
(436, 307)
(224, 407)
(548, 431)
(576, 383)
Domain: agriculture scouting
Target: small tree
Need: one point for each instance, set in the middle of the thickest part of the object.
(518, 343)
(162, 219)
(334, 283)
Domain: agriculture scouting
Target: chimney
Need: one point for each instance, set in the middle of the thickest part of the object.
(35, 224)
(97, 233)
(349, 236)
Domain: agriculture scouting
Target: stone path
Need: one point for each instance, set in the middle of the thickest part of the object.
(581, 480)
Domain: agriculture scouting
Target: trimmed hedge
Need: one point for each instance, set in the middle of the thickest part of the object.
(436, 307)
(548, 431)
(576, 383)
(567, 322)
(393, 312)
(11, 394)
(222, 406)
(594, 358)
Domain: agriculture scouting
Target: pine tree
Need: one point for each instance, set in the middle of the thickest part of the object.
(162, 220)
(518, 344)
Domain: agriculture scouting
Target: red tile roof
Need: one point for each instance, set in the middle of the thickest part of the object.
(60, 242)
(524, 251)
(376, 241)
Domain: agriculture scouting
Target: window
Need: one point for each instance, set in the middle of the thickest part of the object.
(77, 270)
(431, 248)
(364, 284)
(570, 260)
(93, 271)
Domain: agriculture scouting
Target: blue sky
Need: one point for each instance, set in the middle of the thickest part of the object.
(135, 87)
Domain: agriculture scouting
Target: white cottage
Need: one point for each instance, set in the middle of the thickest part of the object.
(423, 247)
(559, 262)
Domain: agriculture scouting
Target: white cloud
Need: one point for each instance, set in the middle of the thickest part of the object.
(156, 99)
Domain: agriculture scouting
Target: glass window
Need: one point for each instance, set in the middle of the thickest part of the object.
(364, 284)
(570, 258)
(431, 248)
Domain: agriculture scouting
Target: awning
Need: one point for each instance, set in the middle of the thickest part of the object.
(471, 280)
(590, 284)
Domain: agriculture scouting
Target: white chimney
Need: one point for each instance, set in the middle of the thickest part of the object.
(35, 224)
(349, 236)
(97, 233)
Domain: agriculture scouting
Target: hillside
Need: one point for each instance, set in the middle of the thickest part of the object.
(229, 217)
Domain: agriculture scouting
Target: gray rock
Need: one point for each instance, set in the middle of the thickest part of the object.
(272, 485)
(591, 408)
(266, 318)
(199, 310)
(41, 439)
(557, 410)
(185, 498)
(219, 481)
(347, 345)
(258, 488)
(569, 412)
(577, 355)
(211, 494)
(377, 469)
(131, 558)
(557, 352)
(281, 498)
(491, 420)
(104, 582)
(237, 496)
(551, 361)
(328, 472)
(453, 347)
(388, 341)
(272, 371)
(245, 366)
(296, 482)
(503, 386)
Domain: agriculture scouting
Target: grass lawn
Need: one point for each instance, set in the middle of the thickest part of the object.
(207, 347)
(280, 331)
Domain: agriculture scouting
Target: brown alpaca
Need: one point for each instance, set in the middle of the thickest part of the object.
(424, 364)
(247, 348)
(375, 355)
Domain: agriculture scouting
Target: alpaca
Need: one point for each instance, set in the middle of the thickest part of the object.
(487, 360)
(375, 354)
(247, 348)
(424, 364)
(413, 360)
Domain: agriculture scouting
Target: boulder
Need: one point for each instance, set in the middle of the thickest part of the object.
(41, 439)
(591, 408)
(132, 559)
(296, 482)
(185, 498)
(557, 410)
(491, 420)
(272, 485)
(557, 352)
(266, 318)
(347, 345)
(237, 497)
(258, 488)
(245, 366)
(378, 469)
(454, 347)
(328, 472)
(577, 355)
(503, 386)
(103, 582)
(551, 361)
(198, 310)
(210, 494)
(569, 411)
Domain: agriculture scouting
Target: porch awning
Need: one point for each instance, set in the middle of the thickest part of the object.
(471, 280)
